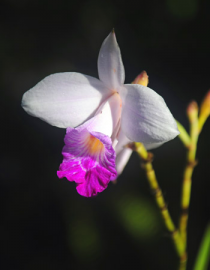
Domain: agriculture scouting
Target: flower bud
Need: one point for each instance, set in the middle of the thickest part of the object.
(142, 79)
(204, 110)
(192, 111)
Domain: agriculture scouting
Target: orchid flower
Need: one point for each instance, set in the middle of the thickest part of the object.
(101, 117)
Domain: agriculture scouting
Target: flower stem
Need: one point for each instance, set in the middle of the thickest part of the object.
(152, 180)
(183, 136)
(192, 112)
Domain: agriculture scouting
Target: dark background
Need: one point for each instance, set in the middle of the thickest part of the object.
(45, 224)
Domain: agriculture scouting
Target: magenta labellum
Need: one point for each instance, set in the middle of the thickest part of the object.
(89, 161)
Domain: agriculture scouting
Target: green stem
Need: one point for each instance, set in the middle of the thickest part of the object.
(187, 177)
(152, 180)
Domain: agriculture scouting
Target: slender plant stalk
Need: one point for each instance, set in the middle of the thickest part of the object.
(184, 136)
(192, 113)
(190, 142)
(152, 180)
(188, 171)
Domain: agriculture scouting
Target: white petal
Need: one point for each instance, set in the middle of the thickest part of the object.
(122, 152)
(122, 142)
(145, 116)
(107, 118)
(110, 66)
(65, 99)
(150, 146)
(122, 159)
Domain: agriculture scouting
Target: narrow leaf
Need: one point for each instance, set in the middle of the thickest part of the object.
(203, 256)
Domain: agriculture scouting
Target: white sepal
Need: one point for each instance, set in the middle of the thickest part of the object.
(65, 99)
(145, 116)
(110, 67)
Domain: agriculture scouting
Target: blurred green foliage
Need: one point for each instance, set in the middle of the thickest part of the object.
(139, 217)
(84, 238)
(183, 9)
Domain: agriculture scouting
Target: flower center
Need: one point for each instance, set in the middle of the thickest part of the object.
(95, 146)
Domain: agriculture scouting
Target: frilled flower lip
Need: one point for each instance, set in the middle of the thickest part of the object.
(89, 161)
(127, 112)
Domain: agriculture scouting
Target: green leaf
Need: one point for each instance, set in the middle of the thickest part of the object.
(203, 256)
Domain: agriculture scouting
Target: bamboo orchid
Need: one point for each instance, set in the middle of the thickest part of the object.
(101, 117)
